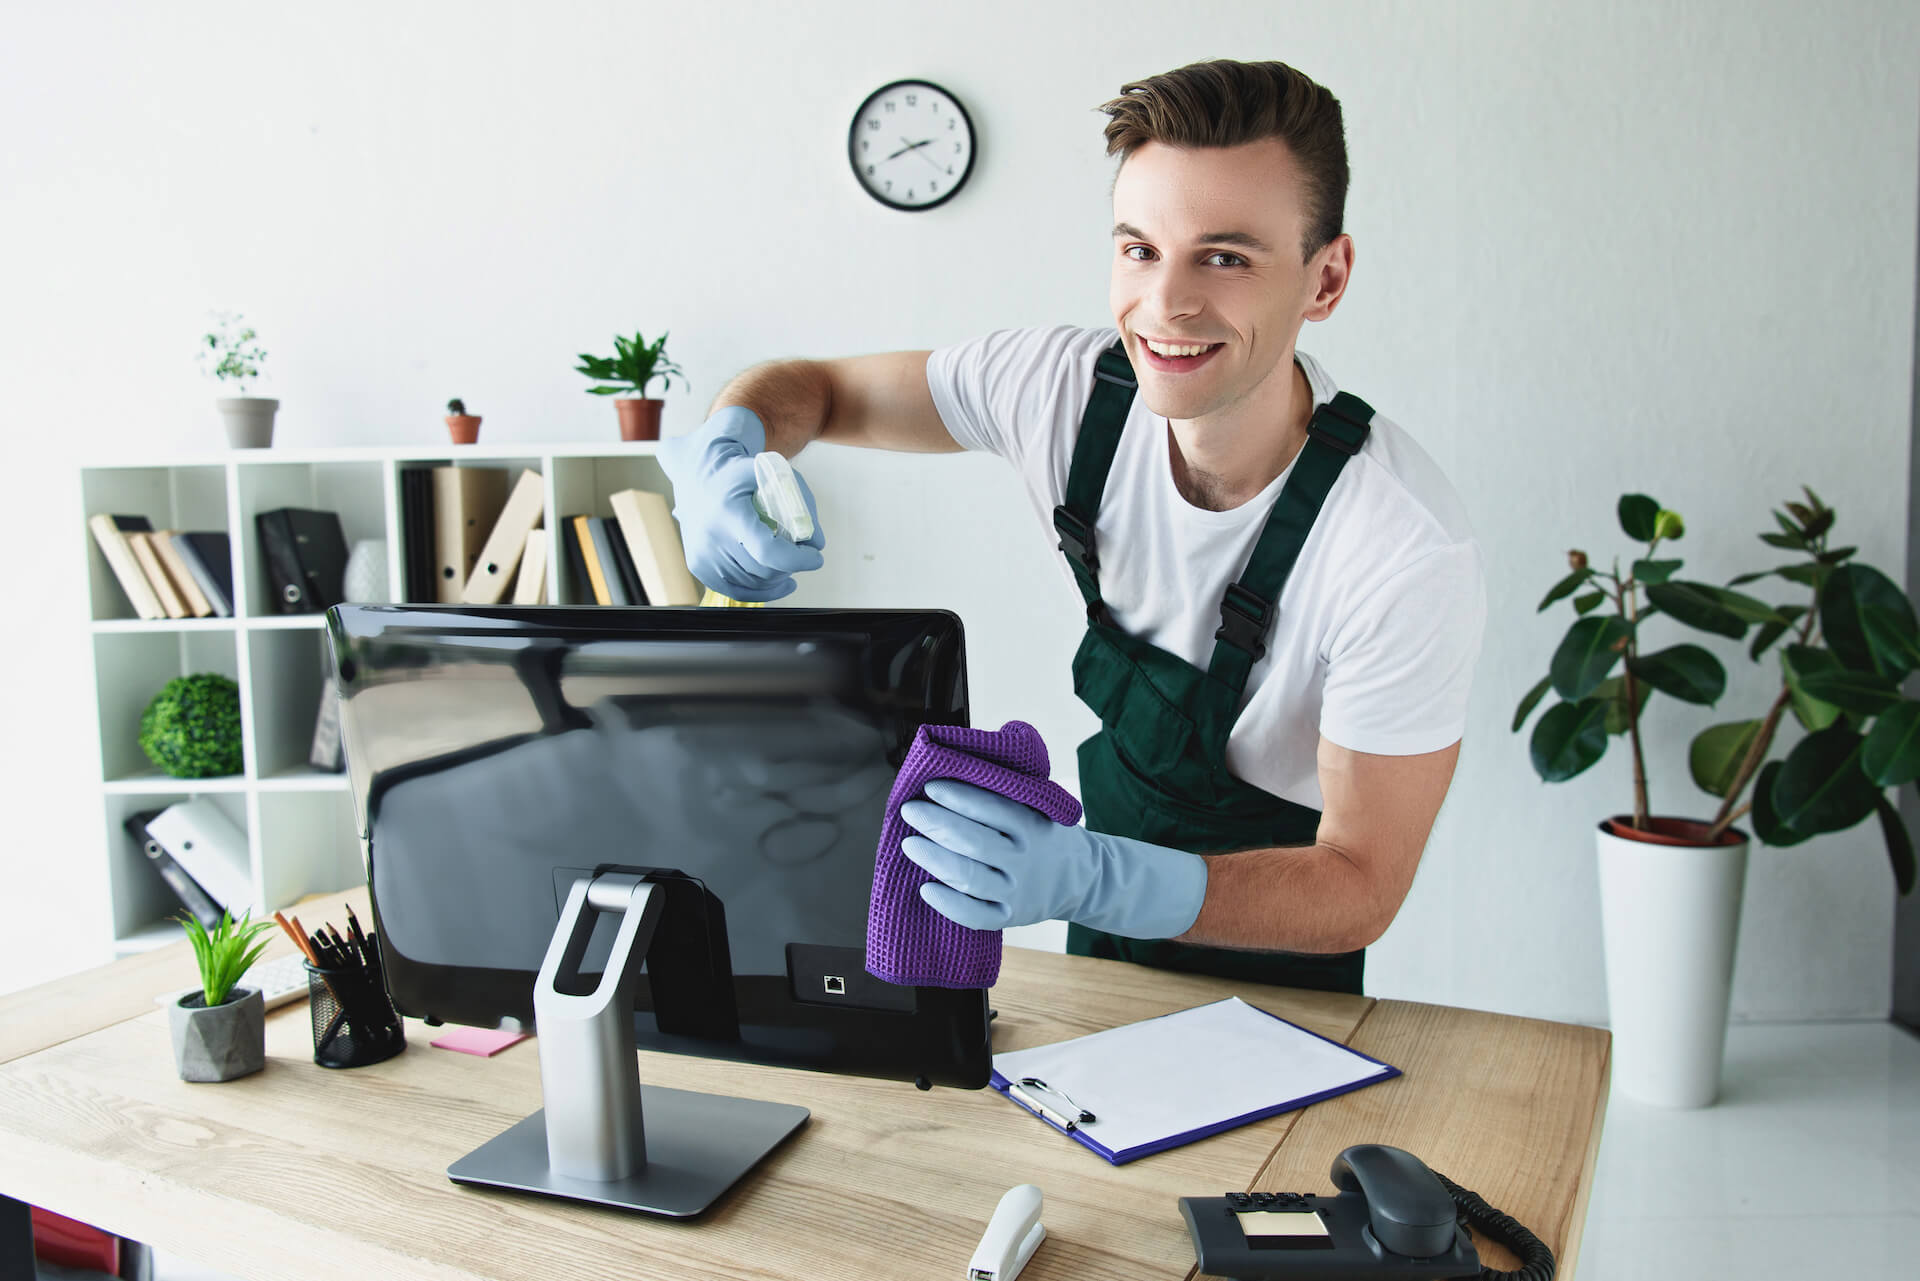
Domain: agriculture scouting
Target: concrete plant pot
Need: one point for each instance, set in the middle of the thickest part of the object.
(1670, 914)
(220, 1042)
(249, 420)
(639, 417)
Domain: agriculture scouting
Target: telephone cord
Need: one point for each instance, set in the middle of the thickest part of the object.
(1536, 1261)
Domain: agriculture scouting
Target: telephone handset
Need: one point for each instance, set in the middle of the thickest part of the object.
(1391, 1218)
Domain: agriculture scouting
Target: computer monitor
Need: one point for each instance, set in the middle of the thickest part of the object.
(651, 826)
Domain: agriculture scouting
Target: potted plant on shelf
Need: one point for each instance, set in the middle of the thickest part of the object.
(1671, 888)
(230, 354)
(629, 372)
(461, 425)
(191, 728)
(220, 1031)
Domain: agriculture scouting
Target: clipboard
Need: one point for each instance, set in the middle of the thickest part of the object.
(1166, 1082)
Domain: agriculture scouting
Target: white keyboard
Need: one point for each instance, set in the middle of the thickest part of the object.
(280, 980)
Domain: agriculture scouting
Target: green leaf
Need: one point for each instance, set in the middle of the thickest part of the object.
(1792, 543)
(1756, 576)
(1851, 691)
(1797, 662)
(1891, 754)
(1837, 555)
(1586, 604)
(1899, 845)
(1639, 516)
(1531, 701)
(1655, 571)
(1591, 648)
(1687, 672)
(1868, 623)
(1821, 787)
(1768, 633)
(1569, 739)
(1565, 587)
(1744, 608)
(1696, 605)
(1766, 817)
(1613, 692)
(1717, 752)
(1812, 574)
(1669, 525)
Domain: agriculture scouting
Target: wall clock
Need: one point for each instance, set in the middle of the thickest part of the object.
(911, 145)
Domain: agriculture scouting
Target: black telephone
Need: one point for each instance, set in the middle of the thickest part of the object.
(1392, 1218)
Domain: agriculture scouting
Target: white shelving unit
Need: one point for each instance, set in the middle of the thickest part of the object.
(299, 821)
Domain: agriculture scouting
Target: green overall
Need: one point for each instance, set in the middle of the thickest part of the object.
(1157, 769)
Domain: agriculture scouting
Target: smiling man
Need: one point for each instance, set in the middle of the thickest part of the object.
(1284, 596)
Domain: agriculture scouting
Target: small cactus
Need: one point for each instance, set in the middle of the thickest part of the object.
(456, 406)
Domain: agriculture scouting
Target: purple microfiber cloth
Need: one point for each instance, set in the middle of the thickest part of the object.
(908, 942)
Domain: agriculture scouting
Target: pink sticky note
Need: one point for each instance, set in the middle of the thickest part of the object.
(485, 1042)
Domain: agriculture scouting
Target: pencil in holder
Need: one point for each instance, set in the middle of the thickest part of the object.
(354, 1022)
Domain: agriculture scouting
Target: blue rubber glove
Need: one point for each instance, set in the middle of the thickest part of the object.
(999, 863)
(728, 547)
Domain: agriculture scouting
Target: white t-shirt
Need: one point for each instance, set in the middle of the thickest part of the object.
(1380, 621)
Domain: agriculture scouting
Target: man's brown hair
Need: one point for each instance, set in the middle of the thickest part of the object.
(1222, 103)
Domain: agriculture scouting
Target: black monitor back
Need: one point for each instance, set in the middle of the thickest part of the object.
(743, 757)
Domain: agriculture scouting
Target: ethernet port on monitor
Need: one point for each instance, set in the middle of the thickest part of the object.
(650, 827)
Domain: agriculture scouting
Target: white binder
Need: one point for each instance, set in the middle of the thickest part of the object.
(204, 841)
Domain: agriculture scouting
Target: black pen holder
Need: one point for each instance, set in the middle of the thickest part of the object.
(354, 1022)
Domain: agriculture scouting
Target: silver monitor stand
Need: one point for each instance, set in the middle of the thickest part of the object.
(590, 1142)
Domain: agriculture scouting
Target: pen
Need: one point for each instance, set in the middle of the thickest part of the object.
(1035, 1105)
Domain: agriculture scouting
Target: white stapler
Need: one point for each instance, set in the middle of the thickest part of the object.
(1013, 1234)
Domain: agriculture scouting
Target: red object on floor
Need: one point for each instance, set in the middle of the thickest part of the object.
(73, 1244)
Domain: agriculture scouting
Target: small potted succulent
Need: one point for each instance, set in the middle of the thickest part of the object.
(461, 425)
(1671, 887)
(220, 1031)
(229, 354)
(629, 372)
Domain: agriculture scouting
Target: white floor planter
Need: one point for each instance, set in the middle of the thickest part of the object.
(1670, 915)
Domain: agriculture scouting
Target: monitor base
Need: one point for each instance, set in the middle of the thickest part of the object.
(697, 1146)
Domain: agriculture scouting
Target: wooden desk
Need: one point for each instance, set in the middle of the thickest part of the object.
(299, 1171)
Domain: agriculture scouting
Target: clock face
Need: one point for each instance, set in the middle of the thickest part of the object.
(911, 145)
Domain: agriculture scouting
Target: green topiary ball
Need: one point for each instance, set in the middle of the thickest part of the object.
(191, 729)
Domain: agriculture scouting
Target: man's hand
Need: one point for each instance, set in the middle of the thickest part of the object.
(728, 547)
(999, 863)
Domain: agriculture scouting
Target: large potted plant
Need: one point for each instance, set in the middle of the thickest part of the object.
(220, 1031)
(1671, 888)
(634, 365)
(230, 354)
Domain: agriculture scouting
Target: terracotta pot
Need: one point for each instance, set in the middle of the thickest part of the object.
(639, 419)
(464, 428)
(1669, 831)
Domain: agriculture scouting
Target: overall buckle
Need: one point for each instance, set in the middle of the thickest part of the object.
(1333, 424)
(1076, 538)
(1244, 621)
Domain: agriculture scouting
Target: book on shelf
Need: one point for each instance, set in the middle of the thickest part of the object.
(416, 529)
(500, 556)
(326, 754)
(623, 561)
(198, 606)
(529, 588)
(209, 558)
(110, 533)
(306, 558)
(590, 553)
(646, 523)
(609, 568)
(170, 600)
(577, 589)
(466, 503)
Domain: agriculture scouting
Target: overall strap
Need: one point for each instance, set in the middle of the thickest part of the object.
(1335, 433)
(1093, 451)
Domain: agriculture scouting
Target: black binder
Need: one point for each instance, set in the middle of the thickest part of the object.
(191, 895)
(306, 558)
(416, 528)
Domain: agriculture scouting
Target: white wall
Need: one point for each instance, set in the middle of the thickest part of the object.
(1600, 247)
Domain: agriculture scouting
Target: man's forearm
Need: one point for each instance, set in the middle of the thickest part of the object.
(792, 398)
(1307, 898)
